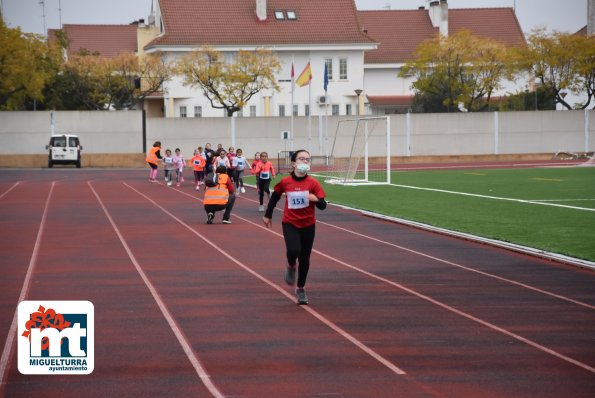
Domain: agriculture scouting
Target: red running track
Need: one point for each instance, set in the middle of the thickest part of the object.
(188, 309)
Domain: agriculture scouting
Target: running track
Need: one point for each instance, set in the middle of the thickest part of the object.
(188, 309)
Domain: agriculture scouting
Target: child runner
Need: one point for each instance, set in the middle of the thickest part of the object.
(253, 167)
(299, 223)
(168, 167)
(264, 173)
(239, 163)
(231, 171)
(179, 162)
(198, 165)
(221, 160)
(153, 156)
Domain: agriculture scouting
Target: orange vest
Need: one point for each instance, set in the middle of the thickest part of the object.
(152, 156)
(218, 195)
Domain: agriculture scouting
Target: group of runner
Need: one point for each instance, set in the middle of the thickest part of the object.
(303, 194)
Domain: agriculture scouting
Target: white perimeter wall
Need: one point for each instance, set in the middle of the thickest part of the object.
(411, 134)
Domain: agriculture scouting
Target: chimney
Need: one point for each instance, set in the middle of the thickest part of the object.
(261, 10)
(439, 15)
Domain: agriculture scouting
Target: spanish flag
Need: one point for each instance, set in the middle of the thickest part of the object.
(305, 77)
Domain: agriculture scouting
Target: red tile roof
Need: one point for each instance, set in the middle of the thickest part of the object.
(107, 40)
(399, 32)
(234, 22)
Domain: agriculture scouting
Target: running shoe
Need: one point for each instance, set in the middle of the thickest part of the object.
(226, 221)
(242, 190)
(198, 187)
(178, 185)
(300, 293)
(261, 208)
(210, 217)
(290, 275)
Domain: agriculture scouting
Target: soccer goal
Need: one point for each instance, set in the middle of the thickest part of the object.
(360, 152)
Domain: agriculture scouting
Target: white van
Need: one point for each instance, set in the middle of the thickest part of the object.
(64, 149)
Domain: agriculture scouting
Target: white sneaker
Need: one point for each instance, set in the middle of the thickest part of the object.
(242, 190)
(169, 183)
(261, 208)
(198, 187)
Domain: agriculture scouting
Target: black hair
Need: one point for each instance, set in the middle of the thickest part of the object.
(294, 155)
(221, 170)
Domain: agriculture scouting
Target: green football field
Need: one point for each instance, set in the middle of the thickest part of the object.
(547, 208)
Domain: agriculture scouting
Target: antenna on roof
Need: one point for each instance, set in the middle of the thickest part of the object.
(42, 4)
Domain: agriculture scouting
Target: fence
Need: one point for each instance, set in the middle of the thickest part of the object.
(412, 135)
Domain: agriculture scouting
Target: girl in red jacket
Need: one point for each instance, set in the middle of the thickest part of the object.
(303, 193)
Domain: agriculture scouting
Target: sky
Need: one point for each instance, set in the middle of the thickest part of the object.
(560, 15)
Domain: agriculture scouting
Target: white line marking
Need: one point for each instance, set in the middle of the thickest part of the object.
(196, 363)
(423, 297)
(320, 317)
(463, 267)
(491, 197)
(12, 331)
(10, 189)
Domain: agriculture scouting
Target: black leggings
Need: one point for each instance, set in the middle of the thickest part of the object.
(299, 243)
(263, 186)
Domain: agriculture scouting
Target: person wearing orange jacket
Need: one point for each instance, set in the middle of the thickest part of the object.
(153, 156)
(220, 197)
(264, 173)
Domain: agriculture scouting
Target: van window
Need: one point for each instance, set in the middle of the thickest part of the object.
(58, 142)
(73, 141)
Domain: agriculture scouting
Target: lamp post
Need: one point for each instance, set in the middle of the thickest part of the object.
(358, 92)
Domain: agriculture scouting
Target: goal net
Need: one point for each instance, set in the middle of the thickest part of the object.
(360, 152)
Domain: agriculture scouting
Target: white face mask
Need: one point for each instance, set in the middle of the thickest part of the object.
(303, 168)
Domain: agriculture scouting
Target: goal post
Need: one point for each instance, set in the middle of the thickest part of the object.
(360, 152)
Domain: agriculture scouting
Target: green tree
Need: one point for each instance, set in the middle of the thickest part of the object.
(461, 69)
(229, 85)
(563, 63)
(27, 63)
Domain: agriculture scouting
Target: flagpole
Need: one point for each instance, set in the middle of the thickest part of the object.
(310, 118)
(291, 110)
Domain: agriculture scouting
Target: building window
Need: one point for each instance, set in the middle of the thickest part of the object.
(329, 67)
(279, 15)
(295, 110)
(335, 111)
(343, 69)
(307, 110)
(198, 111)
(240, 113)
(291, 15)
(183, 112)
(348, 109)
(281, 110)
(252, 110)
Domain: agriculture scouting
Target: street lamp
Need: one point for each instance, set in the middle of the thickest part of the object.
(358, 92)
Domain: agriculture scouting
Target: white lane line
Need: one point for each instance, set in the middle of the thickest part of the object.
(433, 301)
(513, 282)
(10, 189)
(313, 312)
(12, 331)
(492, 197)
(194, 360)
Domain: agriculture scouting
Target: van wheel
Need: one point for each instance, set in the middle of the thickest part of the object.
(78, 164)
(50, 163)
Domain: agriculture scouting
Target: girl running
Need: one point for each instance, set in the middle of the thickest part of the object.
(299, 223)
(198, 164)
(179, 162)
(264, 173)
(239, 163)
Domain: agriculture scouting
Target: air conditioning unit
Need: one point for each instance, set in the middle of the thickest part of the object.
(323, 99)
